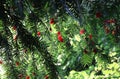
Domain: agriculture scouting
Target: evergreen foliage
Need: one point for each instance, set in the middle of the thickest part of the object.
(60, 39)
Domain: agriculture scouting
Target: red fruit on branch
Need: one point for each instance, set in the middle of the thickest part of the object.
(38, 33)
(82, 31)
(46, 77)
(98, 15)
(1, 62)
(60, 38)
(14, 27)
(58, 33)
(17, 63)
(90, 36)
(52, 21)
(27, 77)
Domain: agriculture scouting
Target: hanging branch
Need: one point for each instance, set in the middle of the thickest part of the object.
(29, 41)
(8, 57)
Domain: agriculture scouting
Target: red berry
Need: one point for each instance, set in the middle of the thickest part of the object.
(90, 36)
(58, 33)
(27, 77)
(98, 15)
(1, 62)
(52, 21)
(46, 77)
(14, 27)
(60, 38)
(82, 31)
(17, 63)
(38, 33)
